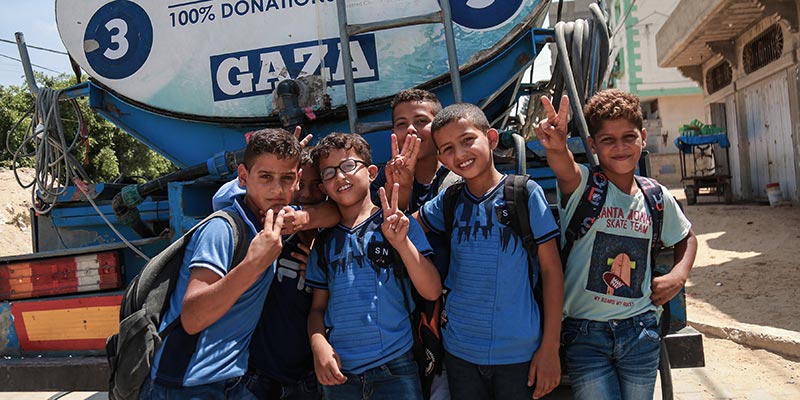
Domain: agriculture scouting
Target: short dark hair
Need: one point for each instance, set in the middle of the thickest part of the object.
(612, 104)
(452, 113)
(275, 141)
(342, 141)
(418, 95)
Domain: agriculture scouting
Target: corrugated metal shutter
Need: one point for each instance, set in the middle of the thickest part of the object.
(769, 131)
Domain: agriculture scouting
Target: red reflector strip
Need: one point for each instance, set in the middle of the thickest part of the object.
(63, 275)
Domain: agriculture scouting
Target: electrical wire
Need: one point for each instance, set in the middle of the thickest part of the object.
(46, 142)
(37, 66)
(36, 47)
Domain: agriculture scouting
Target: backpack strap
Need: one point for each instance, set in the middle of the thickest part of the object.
(515, 194)
(589, 207)
(654, 198)
(449, 201)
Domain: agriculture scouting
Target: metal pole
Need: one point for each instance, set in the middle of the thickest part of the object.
(347, 65)
(26, 63)
(452, 56)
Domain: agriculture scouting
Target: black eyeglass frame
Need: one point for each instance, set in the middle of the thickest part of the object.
(345, 171)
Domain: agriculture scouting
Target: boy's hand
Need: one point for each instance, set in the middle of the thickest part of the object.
(666, 287)
(395, 223)
(545, 371)
(552, 132)
(304, 141)
(401, 166)
(266, 246)
(327, 364)
(293, 220)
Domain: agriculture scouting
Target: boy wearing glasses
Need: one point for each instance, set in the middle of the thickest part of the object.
(359, 325)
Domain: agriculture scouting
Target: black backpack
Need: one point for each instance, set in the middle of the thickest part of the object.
(130, 352)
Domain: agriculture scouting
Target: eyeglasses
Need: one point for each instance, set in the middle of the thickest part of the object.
(346, 166)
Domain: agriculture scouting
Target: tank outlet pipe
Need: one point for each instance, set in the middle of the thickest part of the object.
(125, 202)
(513, 140)
(289, 111)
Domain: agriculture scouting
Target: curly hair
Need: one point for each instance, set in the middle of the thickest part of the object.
(271, 141)
(341, 141)
(452, 113)
(417, 95)
(612, 104)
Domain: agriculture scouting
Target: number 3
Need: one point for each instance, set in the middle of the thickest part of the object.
(119, 38)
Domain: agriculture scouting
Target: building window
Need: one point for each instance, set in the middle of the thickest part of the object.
(763, 50)
(719, 77)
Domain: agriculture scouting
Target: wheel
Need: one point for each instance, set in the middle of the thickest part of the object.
(727, 193)
(691, 195)
(665, 372)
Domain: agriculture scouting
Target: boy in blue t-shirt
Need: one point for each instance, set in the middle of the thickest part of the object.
(205, 355)
(359, 325)
(610, 330)
(281, 365)
(497, 344)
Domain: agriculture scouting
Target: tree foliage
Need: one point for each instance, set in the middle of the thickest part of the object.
(112, 153)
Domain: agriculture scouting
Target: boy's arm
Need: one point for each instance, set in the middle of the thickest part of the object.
(316, 216)
(395, 227)
(208, 296)
(667, 286)
(553, 135)
(545, 369)
(327, 364)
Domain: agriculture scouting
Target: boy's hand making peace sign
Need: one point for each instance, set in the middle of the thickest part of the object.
(395, 223)
(552, 132)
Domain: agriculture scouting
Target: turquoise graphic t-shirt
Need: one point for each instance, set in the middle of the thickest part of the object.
(608, 272)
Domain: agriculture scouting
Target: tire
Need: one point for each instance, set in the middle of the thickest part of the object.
(665, 372)
(691, 196)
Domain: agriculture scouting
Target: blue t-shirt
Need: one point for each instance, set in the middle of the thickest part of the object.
(491, 315)
(367, 317)
(280, 347)
(219, 352)
(608, 272)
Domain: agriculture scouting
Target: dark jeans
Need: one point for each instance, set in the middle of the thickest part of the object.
(231, 389)
(480, 382)
(612, 360)
(398, 379)
(266, 388)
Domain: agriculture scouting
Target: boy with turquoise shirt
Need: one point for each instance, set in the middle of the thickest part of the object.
(498, 344)
(610, 331)
(359, 325)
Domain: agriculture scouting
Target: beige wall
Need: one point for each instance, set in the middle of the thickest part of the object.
(666, 169)
(674, 112)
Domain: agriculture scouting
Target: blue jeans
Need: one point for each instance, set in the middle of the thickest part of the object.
(396, 380)
(472, 381)
(266, 388)
(612, 360)
(231, 389)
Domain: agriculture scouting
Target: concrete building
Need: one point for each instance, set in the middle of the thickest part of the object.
(744, 54)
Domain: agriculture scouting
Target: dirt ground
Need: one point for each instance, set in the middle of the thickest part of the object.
(746, 271)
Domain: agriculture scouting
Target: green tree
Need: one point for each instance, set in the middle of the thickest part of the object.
(112, 153)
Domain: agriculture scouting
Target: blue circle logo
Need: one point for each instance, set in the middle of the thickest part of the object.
(483, 14)
(118, 39)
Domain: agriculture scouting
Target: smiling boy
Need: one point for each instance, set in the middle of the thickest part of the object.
(610, 331)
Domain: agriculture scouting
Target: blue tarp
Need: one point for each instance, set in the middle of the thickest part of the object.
(685, 143)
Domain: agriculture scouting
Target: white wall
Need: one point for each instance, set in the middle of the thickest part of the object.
(674, 112)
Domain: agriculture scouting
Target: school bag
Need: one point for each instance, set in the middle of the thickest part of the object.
(130, 352)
